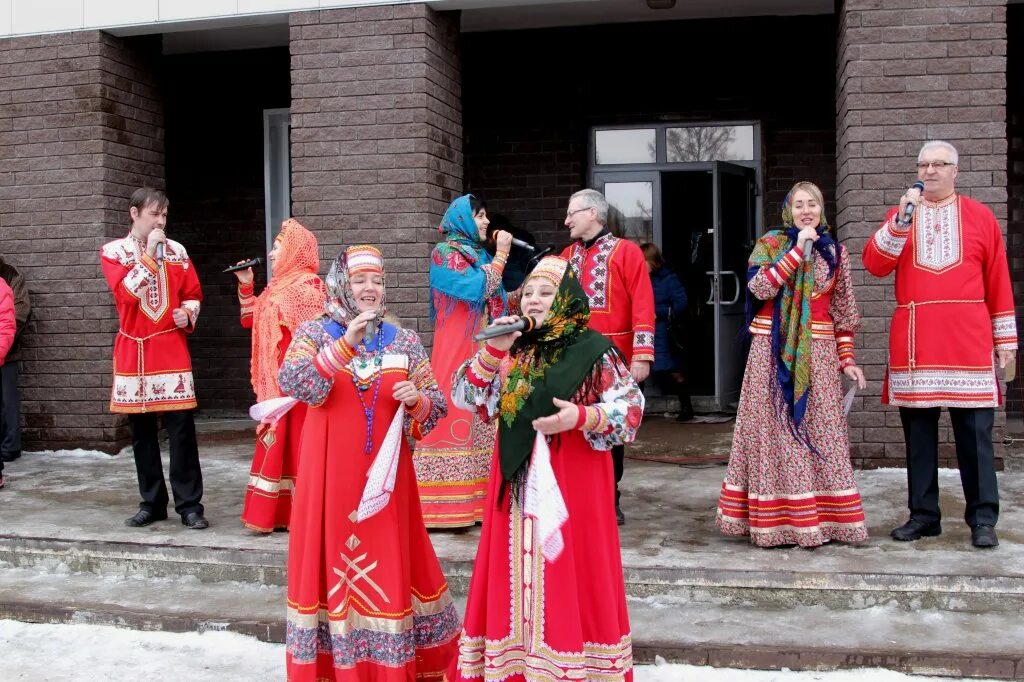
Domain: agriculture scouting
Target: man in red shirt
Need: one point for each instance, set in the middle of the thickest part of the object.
(157, 295)
(954, 319)
(613, 273)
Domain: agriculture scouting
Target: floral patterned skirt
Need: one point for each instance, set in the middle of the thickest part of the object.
(777, 490)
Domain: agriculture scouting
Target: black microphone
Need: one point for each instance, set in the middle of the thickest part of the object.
(808, 249)
(908, 212)
(524, 324)
(160, 253)
(370, 331)
(247, 264)
(523, 245)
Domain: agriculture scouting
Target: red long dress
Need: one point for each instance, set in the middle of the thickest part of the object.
(275, 463)
(366, 600)
(529, 618)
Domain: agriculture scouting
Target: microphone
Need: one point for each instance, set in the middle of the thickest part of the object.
(160, 253)
(242, 266)
(523, 245)
(370, 331)
(524, 324)
(908, 212)
(808, 249)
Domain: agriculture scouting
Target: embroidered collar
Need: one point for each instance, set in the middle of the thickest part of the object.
(605, 232)
(941, 202)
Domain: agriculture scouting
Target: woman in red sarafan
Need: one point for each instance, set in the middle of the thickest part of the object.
(465, 291)
(366, 596)
(547, 598)
(790, 478)
(294, 295)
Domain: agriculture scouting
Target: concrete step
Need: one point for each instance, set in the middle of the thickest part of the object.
(754, 589)
(801, 637)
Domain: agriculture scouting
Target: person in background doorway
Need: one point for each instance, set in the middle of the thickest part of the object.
(790, 479)
(669, 305)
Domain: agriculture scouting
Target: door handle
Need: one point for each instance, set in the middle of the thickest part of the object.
(736, 298)
(714, 287)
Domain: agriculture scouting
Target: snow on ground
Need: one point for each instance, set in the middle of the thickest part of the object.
(62, 653)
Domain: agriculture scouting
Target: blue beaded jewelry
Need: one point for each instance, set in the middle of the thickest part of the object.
(362, 361)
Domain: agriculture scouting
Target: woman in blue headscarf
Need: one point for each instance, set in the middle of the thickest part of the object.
(453, 462)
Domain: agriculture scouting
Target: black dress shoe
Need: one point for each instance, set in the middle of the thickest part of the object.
(143, 517)
(620, 518)
(984, 536)
(195, 521)
(915, 529)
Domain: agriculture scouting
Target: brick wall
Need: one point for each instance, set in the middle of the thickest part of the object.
(907, 72)
(529, 112)
(81, 126)
(1015, 178)
(377, 136)
(214, 110)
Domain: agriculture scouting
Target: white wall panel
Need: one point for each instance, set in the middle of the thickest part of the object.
(42, 16)
(120, 12)
(176, 10)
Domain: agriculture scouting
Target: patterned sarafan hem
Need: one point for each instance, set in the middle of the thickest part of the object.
(807, 520)
(391, 649)
(499, 660)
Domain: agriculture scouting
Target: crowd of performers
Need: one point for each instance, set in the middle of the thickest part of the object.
(365, 442)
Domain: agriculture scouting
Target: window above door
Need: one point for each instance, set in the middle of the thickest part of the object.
(668, 144)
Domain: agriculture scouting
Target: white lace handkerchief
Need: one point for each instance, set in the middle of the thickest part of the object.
(543, 501)
(269, 411)
(380, 479)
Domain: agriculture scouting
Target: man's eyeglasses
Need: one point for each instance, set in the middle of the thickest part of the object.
(569, 214)
(939, 165)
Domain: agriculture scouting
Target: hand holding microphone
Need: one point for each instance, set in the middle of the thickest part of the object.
(908, 202)
(155, 244)
(243, 265)
(805, 241)
(503, 332)
(357, 328)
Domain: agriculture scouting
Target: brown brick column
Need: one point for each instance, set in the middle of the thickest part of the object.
(377, 136)
(908, 72)
(80, 127)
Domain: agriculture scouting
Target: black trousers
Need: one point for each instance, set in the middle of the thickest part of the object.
(10, 412)
(972, 430)
(186, 476)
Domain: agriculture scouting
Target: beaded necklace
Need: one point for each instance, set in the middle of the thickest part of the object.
(365, 358)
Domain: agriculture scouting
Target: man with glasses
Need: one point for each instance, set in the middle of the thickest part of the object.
(613, 273)
(954, 320)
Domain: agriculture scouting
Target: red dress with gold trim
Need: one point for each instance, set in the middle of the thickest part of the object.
(452, 461)
(366, 600)
(614, 276)
(954, 304)
(528, 618)
(268, 495)
(152, 366)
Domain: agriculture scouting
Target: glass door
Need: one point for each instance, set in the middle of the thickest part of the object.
(734, 210)
(634, 204)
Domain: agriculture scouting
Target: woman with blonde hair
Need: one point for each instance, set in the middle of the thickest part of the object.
(790, 479)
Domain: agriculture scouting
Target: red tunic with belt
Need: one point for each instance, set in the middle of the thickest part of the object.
(152, 366)
(954, 304)
(614, 275)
